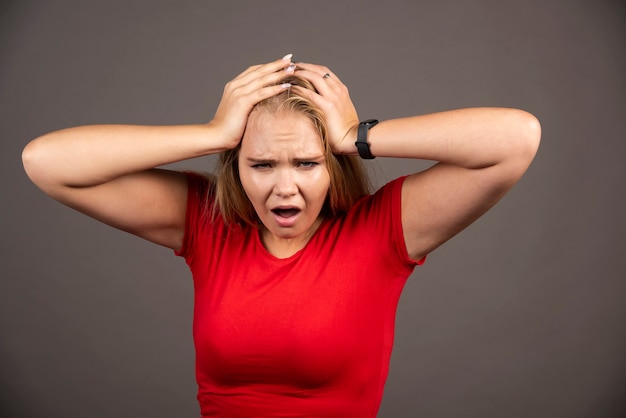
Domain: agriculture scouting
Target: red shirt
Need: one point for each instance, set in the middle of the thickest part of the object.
(305, 336)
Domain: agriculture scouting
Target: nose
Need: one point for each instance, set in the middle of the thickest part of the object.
(285, 184)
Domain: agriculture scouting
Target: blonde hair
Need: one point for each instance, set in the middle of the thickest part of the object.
(348, 178)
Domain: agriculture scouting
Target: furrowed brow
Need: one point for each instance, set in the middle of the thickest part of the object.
(260, 160)
(317, 157)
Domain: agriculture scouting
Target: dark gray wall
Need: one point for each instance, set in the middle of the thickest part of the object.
(522, 315)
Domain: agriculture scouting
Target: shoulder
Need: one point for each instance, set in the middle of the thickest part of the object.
(200, 181)
(200, 196)
(386, 198)
(374, 226)
(378, 212)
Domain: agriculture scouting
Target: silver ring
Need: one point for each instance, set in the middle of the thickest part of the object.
(325, 76)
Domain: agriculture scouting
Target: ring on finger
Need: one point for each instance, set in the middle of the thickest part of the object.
(325, 76)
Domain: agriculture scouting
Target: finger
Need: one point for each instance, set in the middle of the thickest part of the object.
(259, 88)
(328, 87)
(323, 73)
(260, 82)
(269, 91)
(321, 76)
(284, 61)
(269, 67)
(255, 80)
(314, 97)
(319, 69)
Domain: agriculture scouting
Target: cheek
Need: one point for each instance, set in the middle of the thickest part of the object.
(250, 183)
(320, 185)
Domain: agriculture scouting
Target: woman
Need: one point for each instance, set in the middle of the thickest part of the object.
(297, 269)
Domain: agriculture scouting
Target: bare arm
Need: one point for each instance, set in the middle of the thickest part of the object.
(108, 171)
(481, 154)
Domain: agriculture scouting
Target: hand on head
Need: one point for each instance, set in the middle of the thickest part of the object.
(333, 99)
(260, 82)
(243, 92)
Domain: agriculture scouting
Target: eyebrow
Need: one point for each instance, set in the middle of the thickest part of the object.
(271, 160)
(260, 160)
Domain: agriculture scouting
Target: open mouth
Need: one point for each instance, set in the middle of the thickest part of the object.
(285, 212)
(286, 216)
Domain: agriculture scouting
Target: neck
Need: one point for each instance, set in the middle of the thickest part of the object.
(286, 247)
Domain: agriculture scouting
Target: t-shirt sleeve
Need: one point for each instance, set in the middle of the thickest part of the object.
(197, 212)
(384, 219)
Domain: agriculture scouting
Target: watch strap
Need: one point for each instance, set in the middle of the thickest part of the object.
(362, 146)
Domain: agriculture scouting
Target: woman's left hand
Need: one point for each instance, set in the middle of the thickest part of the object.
(334, 100)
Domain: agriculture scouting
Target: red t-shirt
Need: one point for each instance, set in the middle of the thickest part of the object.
(305, 336)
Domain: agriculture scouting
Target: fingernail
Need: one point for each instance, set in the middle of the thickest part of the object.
(285, 85)
(291, 68)
(287, 57)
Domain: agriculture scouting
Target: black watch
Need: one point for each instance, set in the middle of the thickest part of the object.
(361, 139)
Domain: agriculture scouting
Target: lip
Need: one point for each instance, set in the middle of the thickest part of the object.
(288, 221)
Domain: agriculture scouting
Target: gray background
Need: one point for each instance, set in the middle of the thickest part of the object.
(522, 315)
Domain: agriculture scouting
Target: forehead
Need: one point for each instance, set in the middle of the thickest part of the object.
(269, 132)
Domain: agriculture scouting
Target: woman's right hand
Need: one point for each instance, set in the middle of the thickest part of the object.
(241, 94)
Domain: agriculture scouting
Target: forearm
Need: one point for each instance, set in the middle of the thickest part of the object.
(470, 138)
(91, 155)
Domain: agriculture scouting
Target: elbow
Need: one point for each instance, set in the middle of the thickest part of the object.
(528, 137)
(34, 162)
(30, 158)
(524, 132)
(532, 135)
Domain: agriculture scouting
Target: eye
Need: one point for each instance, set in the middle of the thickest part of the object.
(307, 164)
(261, 165)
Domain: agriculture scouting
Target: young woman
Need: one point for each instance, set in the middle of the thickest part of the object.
(297, 268)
